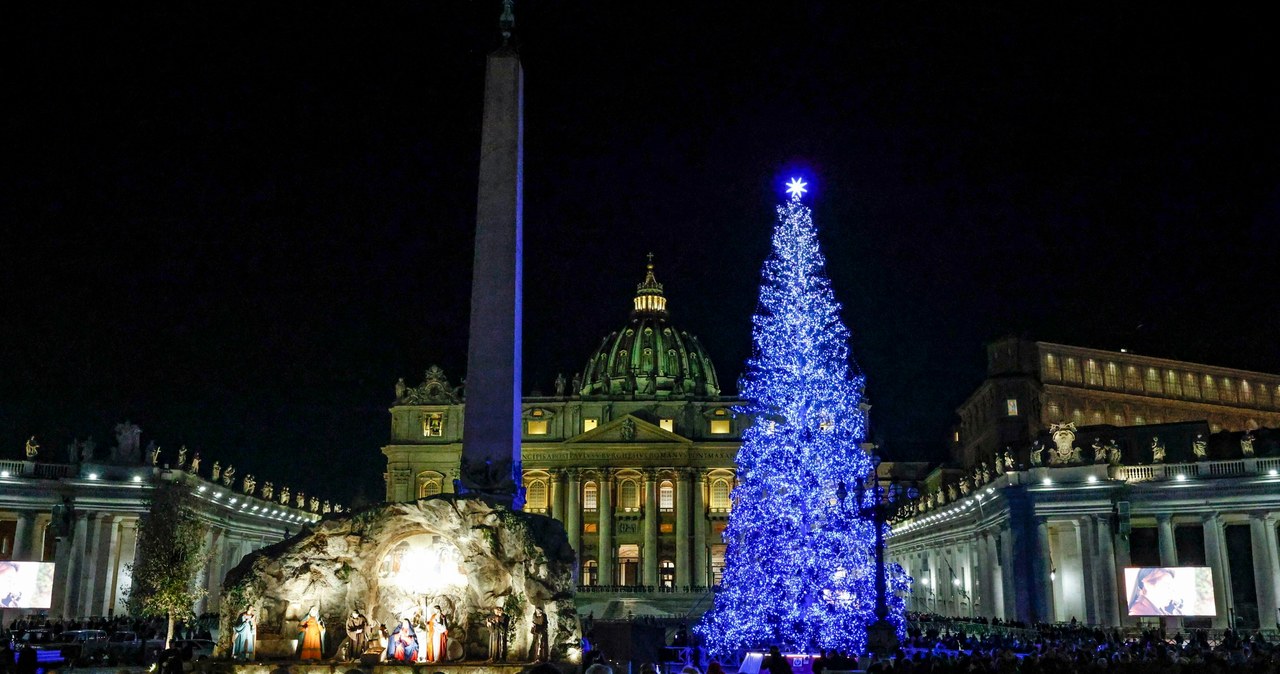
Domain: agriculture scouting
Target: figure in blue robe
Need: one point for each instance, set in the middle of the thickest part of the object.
(402, 646)
(246, 635)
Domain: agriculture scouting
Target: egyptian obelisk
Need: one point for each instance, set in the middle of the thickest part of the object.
(490, 464)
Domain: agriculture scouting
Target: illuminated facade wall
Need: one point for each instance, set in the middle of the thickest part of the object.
(1033, 384)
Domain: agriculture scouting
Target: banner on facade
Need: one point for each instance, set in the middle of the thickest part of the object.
(1169, 590)
(26, 584)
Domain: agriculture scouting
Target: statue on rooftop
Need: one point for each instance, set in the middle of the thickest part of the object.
(127, 438)
(249, 484)
(1099, 452)
(1064, 450)
(560, 384)
(1246, 444)
(284, 496)
(268, 490)
(1037, 452)
(217, 470)
(1008, 459)
(195, 464)
(155, 453)
(229, 475)
(1114, 456)
(300, 501)
(182, 457)
(400, 388)
(1200, 448)
(1157, 450)
(32, 449)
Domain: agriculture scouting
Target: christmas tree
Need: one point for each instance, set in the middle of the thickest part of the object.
(800, 559)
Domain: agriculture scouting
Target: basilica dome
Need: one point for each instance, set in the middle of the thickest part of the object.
(650, 356)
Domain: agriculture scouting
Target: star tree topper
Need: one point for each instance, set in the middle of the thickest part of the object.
(795, 188)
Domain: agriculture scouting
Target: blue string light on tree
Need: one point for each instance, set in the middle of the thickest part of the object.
(800, 558)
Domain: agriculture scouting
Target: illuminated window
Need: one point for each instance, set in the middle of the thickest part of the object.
(537, 427)
(720, 426)
(668, 425)
(629, 495)
(1093, 372)
(1097, 417)
(1171, 385)
(1132, 378)
(589, 527)
(666, 527)
(717, 563)
(956, 436)
(589, 424)
(1071, 370)
(430, 483)
(1153, 381)
(433, 425)
(1246, 393)
(1228, 391)
(1210, 388)
(1190, 386)
(1077, 416)
(590, 496)
(1011, 407)
(1117, 420)
(720, 494)
(1214, 428)
(1113, 376)
(1051, 371)
(590, 572)
(1139, 420)
(1264, 396)
(536, 495)
(667, 573)
(666, 496)
(1055, 411)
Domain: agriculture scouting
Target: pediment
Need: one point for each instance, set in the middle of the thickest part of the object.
(629, 429)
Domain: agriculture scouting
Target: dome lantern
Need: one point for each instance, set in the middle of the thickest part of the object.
(649, 297)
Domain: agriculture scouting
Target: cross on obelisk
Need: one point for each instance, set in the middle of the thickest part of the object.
(490, 465)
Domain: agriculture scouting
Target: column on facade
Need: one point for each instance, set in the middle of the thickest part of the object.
(1275, 563)
(1088, 568)
(700, 570)
(573, 516)
(1043, 571)
(682, 528)
(104, 581)
(125, 556)
(1008, 577)
(604, 512)
(1215, 555)
(992, 576)
(90, 569)
(24, 536)
(1168, 554)
(1122, 560)
(556, 494)
(1108, 595)
(651, 516)
(1264, 560)
(75, 568)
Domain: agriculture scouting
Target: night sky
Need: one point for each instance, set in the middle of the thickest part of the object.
(236, 224)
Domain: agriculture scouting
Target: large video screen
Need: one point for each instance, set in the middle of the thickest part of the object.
(26, 584)
(1169, 590)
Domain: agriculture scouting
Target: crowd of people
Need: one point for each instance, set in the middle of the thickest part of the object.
(17, 652)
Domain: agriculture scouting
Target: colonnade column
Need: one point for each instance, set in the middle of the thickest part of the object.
(1168, 555)
(700, 529)
(1264, 561)
(1275, 563)
(126, 552)
(1215, 555)
(23, 535)
(604, 512)
(1109, 596)
(573, 518)
(651, 516)
(1123, 559)
(682, 527)
(995, 584)
(1088, 568)
(1042, 569)
(104, 581)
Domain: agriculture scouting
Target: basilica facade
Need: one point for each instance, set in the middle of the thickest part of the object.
(634, 455)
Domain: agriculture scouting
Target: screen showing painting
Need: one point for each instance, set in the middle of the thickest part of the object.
(1169, 590)
(26, 584)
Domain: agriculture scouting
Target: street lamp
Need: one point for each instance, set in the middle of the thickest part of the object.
(882, 638)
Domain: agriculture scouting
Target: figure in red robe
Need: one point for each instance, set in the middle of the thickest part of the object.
(437, 636)
(312, 635)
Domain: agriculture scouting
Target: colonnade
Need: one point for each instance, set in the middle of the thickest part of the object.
(1072, 566)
